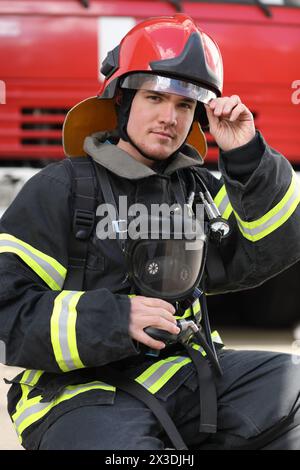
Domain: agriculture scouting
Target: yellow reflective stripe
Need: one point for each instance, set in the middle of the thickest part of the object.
(197, 311)
(187, 314)
(69, 392)
(33, 409)
(30, 377)
(220, 196)
(72, 340)
(54, 328)
(89, 386)
(196, 307)
(222, 202)
(228, 211)
(198, 348)
(63, 331)
(256, 223)
(191, 311)
(273, 219)
(157, 375)
(22, 424)
(216, 338)
(46, 267)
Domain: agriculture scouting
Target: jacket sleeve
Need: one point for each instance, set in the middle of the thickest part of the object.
(259, 194)
(41, 325)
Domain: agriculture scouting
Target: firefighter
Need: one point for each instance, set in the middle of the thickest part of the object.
(112, 329)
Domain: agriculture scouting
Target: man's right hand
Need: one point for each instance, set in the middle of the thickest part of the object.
(148, 311)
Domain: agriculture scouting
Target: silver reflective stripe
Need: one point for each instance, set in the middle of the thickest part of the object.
(63, 332)
(33, 377)
(197, 311)
(223, 204)
(272, 220)
(198, 348)
(2, 352)
(70, 390)
(33, 409)
(29, 377)
(216, 338)
(160, 372)
(53, 273)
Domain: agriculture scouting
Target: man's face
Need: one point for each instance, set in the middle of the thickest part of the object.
(159, 122)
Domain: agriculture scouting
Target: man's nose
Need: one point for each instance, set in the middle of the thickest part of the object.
(168, 114)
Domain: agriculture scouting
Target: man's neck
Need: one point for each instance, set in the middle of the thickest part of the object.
(134, 153)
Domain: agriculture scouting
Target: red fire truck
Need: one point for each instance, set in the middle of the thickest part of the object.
(51, 50)
(50, 55)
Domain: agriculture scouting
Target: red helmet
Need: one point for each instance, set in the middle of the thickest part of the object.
(172, 47)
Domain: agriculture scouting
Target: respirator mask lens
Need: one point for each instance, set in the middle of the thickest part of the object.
(167, 269)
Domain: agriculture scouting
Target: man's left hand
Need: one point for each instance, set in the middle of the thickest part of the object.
(230, 122)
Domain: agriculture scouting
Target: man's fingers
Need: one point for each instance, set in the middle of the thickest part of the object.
(157, 318)
(164, 324)
(158, 303)
(224, 106)
(143, 338)
(146, 313)
(152, 312)
(212, 119)
(238, 111)
(230, 122)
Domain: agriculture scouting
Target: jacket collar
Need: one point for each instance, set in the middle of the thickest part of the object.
(122, 164)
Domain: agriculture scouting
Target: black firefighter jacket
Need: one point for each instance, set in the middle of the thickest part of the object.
(62, 337)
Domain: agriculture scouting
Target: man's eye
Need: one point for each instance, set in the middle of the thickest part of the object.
(186, 105)
(153, 97)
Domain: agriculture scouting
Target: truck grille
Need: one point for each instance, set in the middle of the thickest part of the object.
(42, 126)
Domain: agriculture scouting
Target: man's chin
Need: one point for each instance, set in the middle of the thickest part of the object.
(157, 154)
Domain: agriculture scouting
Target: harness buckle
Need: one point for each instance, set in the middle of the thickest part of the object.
(83, 223)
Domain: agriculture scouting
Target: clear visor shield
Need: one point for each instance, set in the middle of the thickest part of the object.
(147, 81)
(167, 269)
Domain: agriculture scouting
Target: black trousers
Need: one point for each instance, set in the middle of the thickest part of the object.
(258, 406)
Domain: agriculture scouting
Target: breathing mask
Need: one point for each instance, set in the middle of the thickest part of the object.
(166, 261)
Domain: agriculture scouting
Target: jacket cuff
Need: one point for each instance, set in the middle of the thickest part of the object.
(241, 162)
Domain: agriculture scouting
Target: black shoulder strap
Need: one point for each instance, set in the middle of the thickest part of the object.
(109, 199)
(84, 191)
(215, 267)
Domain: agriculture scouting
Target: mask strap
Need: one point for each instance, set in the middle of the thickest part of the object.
(178, 189)
(118, 225)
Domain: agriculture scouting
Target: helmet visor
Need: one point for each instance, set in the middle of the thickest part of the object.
(147, 81)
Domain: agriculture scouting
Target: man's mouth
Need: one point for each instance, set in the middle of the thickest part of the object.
(164, 134)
